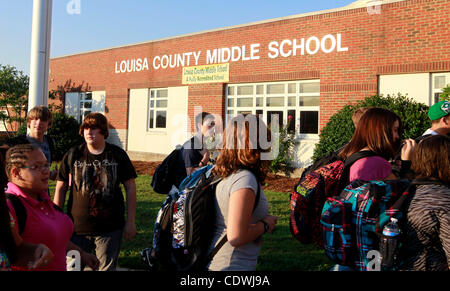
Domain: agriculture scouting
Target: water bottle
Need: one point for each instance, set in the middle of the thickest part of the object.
(388, 244)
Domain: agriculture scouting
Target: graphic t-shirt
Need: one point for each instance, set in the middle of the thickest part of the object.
(96, 202)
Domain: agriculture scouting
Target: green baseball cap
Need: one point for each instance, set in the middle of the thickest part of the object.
(439, 110)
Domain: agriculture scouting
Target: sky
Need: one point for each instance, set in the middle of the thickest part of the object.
(100, 24)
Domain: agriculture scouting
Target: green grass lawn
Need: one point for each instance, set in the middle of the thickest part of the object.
(280, 251)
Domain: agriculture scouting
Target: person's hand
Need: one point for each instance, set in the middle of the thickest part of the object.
(42, 256)
(271, 221)
(130, 230)
(90, 260)
(408, 149)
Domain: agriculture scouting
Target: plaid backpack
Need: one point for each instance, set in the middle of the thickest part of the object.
(352, 222)
(309, 195)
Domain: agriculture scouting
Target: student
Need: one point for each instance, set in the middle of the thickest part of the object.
(39, 120)
(194, 153)
(94, 172)
(28, 173)
(243, 171)
(427, 232)
(439, 114)
(379, 131)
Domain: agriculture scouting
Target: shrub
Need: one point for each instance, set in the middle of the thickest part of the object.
(339, 130)
(286, 144)
(64, 132)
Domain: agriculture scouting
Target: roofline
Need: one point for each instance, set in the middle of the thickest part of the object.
(355, 5)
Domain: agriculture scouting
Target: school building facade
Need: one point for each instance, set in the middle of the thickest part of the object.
(306, 66)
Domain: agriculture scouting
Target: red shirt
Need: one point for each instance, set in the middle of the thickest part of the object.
(44, 225)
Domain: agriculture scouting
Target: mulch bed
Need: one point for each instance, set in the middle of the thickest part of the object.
(273, 182)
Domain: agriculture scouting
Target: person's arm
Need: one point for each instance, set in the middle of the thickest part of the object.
(444, 233)
(86, 258)
(239, 229)
(130, 226)
(33, 256)
(60, 193)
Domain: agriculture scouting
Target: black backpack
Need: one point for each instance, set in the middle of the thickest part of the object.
(184, 227)
(21, 212)
(164, 176)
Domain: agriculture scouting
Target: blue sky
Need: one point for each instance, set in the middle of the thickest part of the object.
(108, 23)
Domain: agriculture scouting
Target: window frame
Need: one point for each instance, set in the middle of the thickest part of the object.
(265, 108)
(434, 90)
(156, 109)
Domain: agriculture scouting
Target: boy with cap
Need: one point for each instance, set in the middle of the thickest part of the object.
(439, 115)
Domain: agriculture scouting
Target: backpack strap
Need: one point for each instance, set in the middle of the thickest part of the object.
(21, 212)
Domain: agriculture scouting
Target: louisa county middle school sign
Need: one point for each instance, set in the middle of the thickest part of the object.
(206, 74)
(275, 49)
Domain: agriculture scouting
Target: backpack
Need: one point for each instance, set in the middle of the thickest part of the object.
(310, 193)
(164, 176)
(21, 212)
(352, 222)
(184, 227)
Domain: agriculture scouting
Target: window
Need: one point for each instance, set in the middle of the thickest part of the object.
(296, 103)
(85, 105)
(157, 109)
(440, 81)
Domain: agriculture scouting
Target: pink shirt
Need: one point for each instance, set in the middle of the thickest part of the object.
(44, 225)
(370, 168)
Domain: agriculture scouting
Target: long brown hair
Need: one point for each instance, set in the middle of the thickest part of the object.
(430, 158)
(374, 131)
(242, 147)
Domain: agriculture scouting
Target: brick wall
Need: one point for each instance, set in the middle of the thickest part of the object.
(407, 37)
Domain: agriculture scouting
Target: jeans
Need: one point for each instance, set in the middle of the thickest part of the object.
(106, 247)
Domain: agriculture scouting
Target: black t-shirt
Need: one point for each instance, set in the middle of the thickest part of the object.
(189, 157)
(96, 202)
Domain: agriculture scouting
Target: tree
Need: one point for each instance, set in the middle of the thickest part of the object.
(339, 130)
(445, 94)
(13, 97)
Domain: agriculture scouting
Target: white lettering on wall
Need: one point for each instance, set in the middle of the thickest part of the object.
(286, 48)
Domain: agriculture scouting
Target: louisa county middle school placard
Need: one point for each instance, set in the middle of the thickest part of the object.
(218, 73)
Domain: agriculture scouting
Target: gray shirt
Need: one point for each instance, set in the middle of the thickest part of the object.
(243, 258)
(44, 146)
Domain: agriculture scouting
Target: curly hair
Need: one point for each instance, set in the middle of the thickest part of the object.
(242, 147)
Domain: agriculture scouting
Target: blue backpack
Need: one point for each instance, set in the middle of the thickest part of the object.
(184, 227)
(352, 222)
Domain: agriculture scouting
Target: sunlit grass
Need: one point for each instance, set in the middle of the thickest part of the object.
(280, 251)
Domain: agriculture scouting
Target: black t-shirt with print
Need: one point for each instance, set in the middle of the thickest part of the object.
(96, 203)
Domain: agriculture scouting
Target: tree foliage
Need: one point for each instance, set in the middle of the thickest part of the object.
(445, 95)
(339, 130)
(13, 96)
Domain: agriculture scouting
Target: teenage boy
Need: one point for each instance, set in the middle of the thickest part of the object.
(194, 153)
(94, 171)
(439, 115)
(39, 120)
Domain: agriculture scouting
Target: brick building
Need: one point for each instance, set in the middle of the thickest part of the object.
(307, 66)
